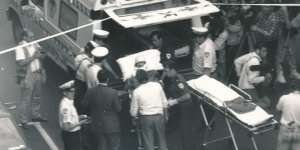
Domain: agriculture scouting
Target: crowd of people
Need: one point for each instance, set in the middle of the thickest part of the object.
(242, 44)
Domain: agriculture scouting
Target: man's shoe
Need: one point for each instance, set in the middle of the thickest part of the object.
(39, 119)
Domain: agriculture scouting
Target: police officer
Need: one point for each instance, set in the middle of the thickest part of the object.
(69, 120)
(98, 54)
(204, 57)
(82, 61)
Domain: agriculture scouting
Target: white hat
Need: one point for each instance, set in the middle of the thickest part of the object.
(67, 85)
(139, 59)
(100, 33)
(99, 51)
(199, 30)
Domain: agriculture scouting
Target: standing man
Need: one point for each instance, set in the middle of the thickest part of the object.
(29, 63)
(82, 61)
(248, 78)
(98, 54)
(149, 103)
(69, 120)
(103, 105)
(289, 133)
(204, 58)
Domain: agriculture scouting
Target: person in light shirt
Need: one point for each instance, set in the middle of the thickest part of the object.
(249, 78)
(82, 62)
(29, 64)
(149, 104)
(69, 120)
(289, 104)
(204, 57)
(91, 73)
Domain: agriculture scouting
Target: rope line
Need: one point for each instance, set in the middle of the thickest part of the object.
(248, 4)
(52, 36)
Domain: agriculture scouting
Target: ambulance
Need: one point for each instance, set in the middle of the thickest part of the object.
(129, 22)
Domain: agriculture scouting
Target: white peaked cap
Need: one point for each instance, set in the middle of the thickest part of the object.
(199, 30)
(140, 59)
(99, 52)
(100, 33)
(67, 85)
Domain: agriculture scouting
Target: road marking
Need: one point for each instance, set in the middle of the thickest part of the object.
(45, 136)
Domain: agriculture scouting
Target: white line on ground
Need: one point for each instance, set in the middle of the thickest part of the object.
(45, 136)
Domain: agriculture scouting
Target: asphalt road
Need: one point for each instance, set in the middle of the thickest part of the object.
(9, 93)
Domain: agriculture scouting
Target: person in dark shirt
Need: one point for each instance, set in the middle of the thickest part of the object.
(102, 104)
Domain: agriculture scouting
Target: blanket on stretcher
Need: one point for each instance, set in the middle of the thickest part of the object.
(220, 94)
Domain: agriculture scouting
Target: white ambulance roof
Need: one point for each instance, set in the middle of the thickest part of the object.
(153, 12)
(97, 5)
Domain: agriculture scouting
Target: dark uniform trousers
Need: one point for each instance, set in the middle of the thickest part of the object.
(108, 141)
(71, 140)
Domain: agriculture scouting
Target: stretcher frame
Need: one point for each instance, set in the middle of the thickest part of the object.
(269, 125)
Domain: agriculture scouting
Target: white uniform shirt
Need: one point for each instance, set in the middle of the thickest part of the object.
(82, 62)
(247, 77)
(148, 99)
(289, 105)
(91, 75)
(27, 52)
(68, 114)
(205, 57)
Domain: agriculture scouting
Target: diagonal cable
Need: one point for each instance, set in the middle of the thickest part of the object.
(52, 36)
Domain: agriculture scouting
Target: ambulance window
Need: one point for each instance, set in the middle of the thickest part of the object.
(39, 3)
(68, 19)
(52, 7)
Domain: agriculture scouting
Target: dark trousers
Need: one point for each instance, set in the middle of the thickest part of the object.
(80, 90)
(31, 92)
(232, 52)
(108, 141)
(88, 138)
(190, 125)
(71, 140)
(153, 125)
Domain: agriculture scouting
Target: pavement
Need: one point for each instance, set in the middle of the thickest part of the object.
(35, 135)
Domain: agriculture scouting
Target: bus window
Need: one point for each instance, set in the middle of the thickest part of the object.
(52, 8)
(39, 3)
(68, 19)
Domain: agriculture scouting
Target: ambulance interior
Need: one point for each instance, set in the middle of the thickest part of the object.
(131, 27)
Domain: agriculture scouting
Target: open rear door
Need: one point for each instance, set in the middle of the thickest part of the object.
(153, 12)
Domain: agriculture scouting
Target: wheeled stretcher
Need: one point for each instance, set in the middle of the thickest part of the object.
(244, 113)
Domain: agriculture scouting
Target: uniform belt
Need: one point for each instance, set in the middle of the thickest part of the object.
(151, 115)
(291, 126)
(38, 71)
